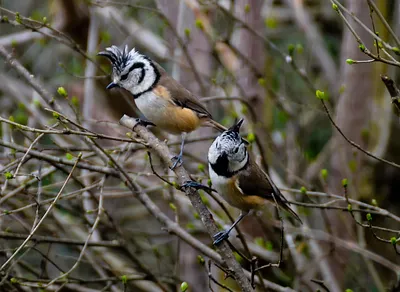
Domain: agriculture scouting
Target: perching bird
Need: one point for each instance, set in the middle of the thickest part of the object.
(238, 179)
(161, 99)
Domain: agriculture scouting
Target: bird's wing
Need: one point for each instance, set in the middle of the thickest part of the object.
(254, 182)
(180, 95)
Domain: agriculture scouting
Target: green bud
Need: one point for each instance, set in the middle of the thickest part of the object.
(128, 134)
(361, 47)
(259, 241)
(393, 240)
(324, 173)
(61, 91)
(69, 156)
(320, 94)
(13, 280)
(299, 48)
(349, 208)
(4, 19)
(247, 8)
(18, 17)
(201, 167)
(335, 7)
(291, 48)
(350, 61)
(303, 190)
(199, 24)
(374, 202)
(196, 216)
(201, 260)
(251, 137)
(124, 279)
(44, 19)
(75, 101)
(344, 182)
(8, 175)
(187, 32)
(396, 50)
(110, 163)
(369, 217)
(56, 115)
(261, 81)
(184, 286)
(172, 206)
(175, 185)
(209, 183)
(349, 290)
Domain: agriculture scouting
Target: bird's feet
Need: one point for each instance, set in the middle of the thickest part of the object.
(220, 237)
(177, 161)
(144, 123)
(196, 185)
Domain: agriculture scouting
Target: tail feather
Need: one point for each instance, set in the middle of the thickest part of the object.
(215, 125)
(293, 213)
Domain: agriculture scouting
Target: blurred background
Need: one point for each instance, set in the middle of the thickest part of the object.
(262, 60)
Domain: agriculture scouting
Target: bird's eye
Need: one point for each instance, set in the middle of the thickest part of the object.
(236, 150)
(124, 77)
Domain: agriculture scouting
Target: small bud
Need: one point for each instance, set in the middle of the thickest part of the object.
(201, 167)
(374, 202)
(344, 182)
(361, 47)
(291, 48)
(369, 217)
(247, 8)
(184, 286)
(396, 50)
(175, 185)
(128, 134)
(13, 280)
(251, 137)
(187, 32)
(69, 156)
(124, 279)
(335, 7)
(320, 94)
(349, 208)
(261, 81)
(199, 24)
(350, 61)
(299, 48)
(209, 183)
(4, 19)
(61, 91)
(44, 19)
(259, 241)
(75, 101)
(324, 173)
(8, 175)
(393, 240)
(201, 260)
(196, 216)
(172, 206)
(56, 115)
(303, 190)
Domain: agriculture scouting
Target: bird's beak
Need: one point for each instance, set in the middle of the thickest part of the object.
(112, 85)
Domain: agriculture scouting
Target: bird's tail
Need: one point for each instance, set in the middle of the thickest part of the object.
(215, 125)
(286, 207)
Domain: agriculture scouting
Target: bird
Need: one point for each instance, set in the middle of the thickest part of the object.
(162, 100)
(238, 179)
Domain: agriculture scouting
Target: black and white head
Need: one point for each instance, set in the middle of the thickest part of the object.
(228, 153)
(131, 70)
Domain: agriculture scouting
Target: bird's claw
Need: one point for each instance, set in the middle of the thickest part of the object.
(178, 161)
(144, 123)
(220, 237)
(196, 185)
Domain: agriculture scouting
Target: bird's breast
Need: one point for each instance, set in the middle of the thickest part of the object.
(158, 108)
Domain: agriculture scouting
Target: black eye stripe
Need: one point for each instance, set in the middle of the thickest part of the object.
(133, 67)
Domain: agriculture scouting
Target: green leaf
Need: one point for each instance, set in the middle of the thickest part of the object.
(369, 217)
(61, 91)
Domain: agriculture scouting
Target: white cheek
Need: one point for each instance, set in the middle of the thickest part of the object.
(212, 154)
